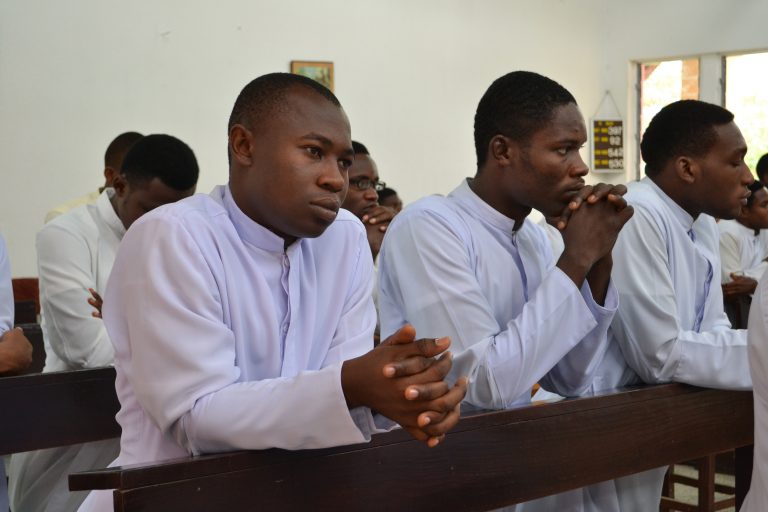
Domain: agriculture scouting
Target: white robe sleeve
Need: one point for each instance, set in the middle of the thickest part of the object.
(647, 326)
(6, 290)
(183, 366)
(427, 280)
(574, 373)
(730, 255)
(64, 263)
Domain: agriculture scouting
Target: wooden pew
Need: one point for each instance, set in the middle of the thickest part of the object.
(57, 409)
(489, 460)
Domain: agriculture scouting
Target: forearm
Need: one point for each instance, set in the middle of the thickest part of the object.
(574, 265)
(77, 338)
(304, 412)
(599, 277)
(574, 374)
(504, 367)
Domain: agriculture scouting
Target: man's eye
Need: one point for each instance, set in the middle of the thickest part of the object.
(345, 164)
(314, 151)
(562, 151)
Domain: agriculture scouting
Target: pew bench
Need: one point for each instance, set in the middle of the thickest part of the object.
(57, 409)
(489, 460)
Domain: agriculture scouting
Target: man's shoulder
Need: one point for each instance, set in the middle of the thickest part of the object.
(77, 221)
(728, 226)
(430, 211)
(61, 209)
(198, 209)
(640, 193)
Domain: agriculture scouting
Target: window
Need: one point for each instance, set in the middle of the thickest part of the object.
(746, 96)
(662, 83)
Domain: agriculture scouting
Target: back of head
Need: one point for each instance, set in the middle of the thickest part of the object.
(268, 93)
(682, 128)
(385, 193)
(754, 187)
(516, 105)
(164, 157)
(117, 149)
(762, 167)
(359, 148)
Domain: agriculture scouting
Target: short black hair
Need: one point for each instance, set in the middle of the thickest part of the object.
(685, 127)
(386, 192)
(762, 167)
(164, 157)
(117, 149)
(516, 105)
(267, 93)
(360, 148)
(754, 187)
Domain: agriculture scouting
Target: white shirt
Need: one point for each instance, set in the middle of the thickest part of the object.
(6, 290)
(671, 325)
(225, 340)
(6, 323)
(741, 250)
(75, 252)
(757, 498)
(453, 266)
(89, 198)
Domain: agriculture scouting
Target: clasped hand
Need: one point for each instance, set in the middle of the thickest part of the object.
(404, 380)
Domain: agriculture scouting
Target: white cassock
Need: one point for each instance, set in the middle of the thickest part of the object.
(75, 251)
(453, 266)
(6, 290)
(670, 326)
(226, 340)
(6, 323)
(741, 250)
(757, 498)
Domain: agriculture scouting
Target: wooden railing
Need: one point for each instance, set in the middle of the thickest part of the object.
(57, 409)
(487, 461)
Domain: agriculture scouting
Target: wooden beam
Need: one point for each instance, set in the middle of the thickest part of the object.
(488, 460)
(57, 409)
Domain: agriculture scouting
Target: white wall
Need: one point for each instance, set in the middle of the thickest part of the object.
(409, 72)
(658, 29)
(75, 74)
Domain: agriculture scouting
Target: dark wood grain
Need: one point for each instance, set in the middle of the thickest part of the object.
(489, 460)
(57, 409)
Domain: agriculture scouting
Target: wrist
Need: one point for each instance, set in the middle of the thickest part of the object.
(574, 266)
(349, 383)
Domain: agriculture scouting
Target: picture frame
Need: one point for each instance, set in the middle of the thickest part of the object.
(320, 71)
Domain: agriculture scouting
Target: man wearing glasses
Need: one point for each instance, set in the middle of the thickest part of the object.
(363, 199)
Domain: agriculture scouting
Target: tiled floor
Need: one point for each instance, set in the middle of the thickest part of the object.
(689, 494)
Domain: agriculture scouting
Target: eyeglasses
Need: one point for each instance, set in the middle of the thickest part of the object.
(366, 183)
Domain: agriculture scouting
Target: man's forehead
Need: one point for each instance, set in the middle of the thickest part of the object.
(567, 123)
(363, 164)
(304, 109)
(729, 137)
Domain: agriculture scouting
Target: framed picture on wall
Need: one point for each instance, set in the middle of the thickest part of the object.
(316, 70)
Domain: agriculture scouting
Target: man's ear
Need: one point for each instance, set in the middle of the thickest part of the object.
(241, 145)
(502, 150)
(687, 169)
(109, 176)
(120, 184)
